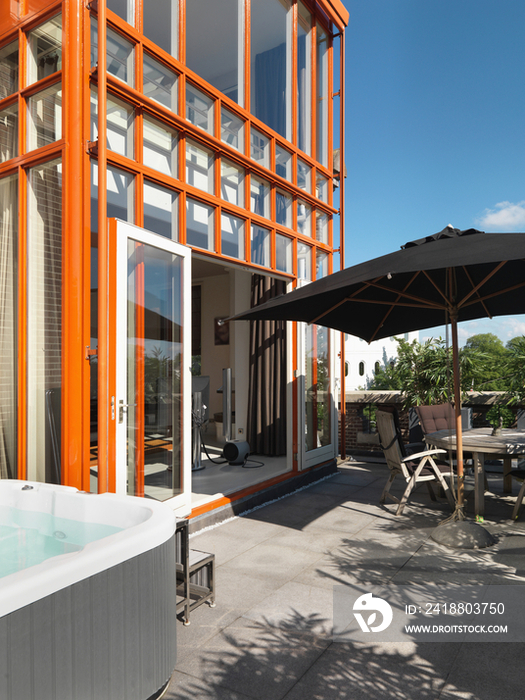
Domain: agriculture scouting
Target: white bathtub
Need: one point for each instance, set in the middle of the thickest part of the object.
(112, 598)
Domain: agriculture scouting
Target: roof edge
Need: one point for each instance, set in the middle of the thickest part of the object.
(336, 11)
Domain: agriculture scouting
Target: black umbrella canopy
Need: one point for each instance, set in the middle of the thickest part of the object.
(468, 273)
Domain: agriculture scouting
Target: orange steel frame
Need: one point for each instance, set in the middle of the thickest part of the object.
(73, 147)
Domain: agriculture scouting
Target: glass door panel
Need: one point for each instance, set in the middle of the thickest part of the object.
(151, 358)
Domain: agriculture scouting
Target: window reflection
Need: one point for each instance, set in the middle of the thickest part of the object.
(161, 24)
(232, 236)
(8, 69)
(317, 391)
(160, 210)
(45, 50)
(160, 83)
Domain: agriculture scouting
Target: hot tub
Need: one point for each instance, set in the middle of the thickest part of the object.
(87, 594)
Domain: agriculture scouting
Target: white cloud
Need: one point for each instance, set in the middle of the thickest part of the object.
(506, 216)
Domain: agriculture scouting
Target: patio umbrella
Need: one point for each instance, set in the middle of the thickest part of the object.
(459, 275)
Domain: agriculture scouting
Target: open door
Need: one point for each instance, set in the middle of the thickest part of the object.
(153, 357)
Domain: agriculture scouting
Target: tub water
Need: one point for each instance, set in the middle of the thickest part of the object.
(87, 594)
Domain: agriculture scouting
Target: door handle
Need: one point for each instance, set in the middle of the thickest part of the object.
(123, 408)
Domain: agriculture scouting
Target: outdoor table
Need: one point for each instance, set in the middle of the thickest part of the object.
(480, 442)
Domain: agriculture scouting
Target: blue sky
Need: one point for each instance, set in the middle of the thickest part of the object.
(435, 125)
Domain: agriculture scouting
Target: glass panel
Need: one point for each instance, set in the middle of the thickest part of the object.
(44, 321)
(304, 78)
(124, 9)
(120, 127)
(321, 265)
(214, 44)
(8, 69)
(304, 218)
(120, 57)
(271, 63)
(8, 133)
(161, 24)
(321, 187)
(154, 369)
(199, 108)
(317, 390)
(232, 130)
(321, 227)
(232, 236)
(260, 197)
(283, 163)
(8, 326)
(160, 83)
(199, 224)
(160, 210)
(304, 176)
(120, 188)
(44, 111)
(283, 253)
(159, 147)
(322, 96)
(232, 183)
(44, 46)
(199, 167)
(304, 261)
(283, 208)
(260, 246)
(260, 148)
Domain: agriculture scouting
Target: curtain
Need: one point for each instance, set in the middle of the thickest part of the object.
(266, 431)
(270, 88)
(8, 219)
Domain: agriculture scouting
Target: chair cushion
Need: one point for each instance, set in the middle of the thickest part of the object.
(437, 417)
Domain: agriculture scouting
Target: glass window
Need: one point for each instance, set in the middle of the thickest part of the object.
(120, 57)
(44, 46)
(321, 187)
(322, 96)
(124, 9)
(232, 130)
(260, 148)
(120, 195)
(283, 253)
(161, 24)
(321, 264)
(9, 133)
(199, 108)
(304, 176)
(260, 197)
(260, 246)
(160, 83)
(159, 147)
(44, 318)
(44, 112)
(304, 261)
(199, 224)
(160, 210)
(304, 218)
(321, 227)
(283, 163)
(304, 78)
(318, 431)
(199, 167)
(9, 326)
(271, 63)
(232, 236)
(8, 69)
(215, 43)
(232, 183)
(283, 208)
(119, 130)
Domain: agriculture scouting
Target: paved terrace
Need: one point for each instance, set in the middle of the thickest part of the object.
(269, 636)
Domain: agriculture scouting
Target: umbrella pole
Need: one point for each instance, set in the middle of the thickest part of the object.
(457, 403)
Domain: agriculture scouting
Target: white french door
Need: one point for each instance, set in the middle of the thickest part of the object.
(153, 380)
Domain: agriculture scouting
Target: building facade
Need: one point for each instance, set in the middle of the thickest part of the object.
(163, 165)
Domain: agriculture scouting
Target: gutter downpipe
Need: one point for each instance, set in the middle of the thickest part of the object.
(103, 264)
(342, 232)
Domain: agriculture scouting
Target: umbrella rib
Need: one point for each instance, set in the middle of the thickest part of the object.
(496, 294)
(399, 295)
(478, 286)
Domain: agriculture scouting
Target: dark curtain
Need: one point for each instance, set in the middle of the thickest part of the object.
(270, 88)
(266, 433)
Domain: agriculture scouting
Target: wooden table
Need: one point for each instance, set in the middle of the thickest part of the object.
(480, 442)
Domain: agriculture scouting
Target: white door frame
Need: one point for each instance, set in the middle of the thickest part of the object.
(125, 232)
